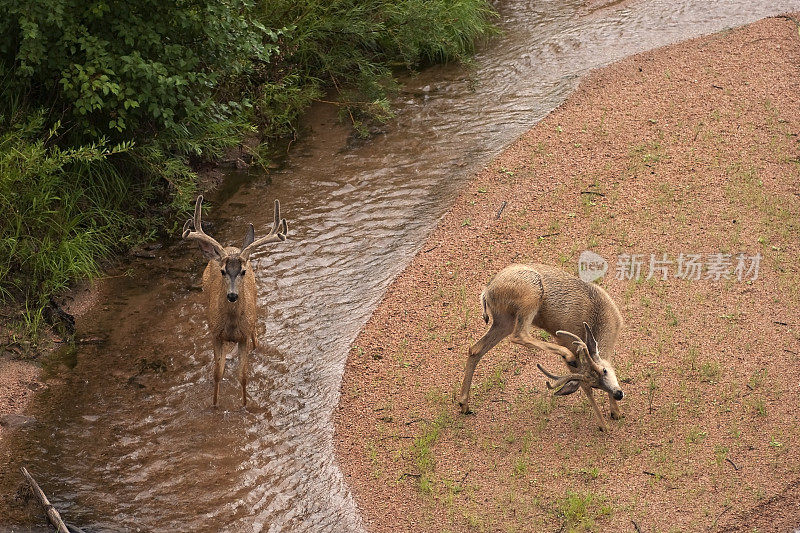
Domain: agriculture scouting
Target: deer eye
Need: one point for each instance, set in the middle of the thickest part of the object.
(242, 272)
(605, 371)
(222, 271)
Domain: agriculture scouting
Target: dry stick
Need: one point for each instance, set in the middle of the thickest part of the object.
(713, 524)
(500, 211)
(593, 192)
(732, 464)
(52, 514)
(549, 235)
(339, 92)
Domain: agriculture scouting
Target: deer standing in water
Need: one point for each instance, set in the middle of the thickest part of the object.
(581, 317)
(230, 286)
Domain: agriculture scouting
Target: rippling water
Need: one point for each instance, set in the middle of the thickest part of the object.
(126, 440)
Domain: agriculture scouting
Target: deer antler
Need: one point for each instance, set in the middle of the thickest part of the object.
(560, 381)
(277, 233)
(582, 349)
(198, 234)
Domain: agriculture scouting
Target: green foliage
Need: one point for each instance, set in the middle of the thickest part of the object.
(114, 67)
(580, 510)
(352, 45)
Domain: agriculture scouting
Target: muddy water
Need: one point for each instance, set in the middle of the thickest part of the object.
(126, 440)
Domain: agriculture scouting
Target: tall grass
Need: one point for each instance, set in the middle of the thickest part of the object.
(61, 210)
(354, 46)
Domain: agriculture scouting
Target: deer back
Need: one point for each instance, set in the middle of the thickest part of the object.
(556, 300)
(568, 302)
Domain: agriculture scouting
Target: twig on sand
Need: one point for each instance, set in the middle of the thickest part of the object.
(593, 192)
(732, 464)
(500, 211)
(409, 474)
(714, 524)
(636, 526)
(51, 512)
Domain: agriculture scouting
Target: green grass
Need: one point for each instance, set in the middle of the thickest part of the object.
(581, 510)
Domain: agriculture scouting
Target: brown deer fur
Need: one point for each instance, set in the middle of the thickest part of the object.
(521, 296)
(230, 288)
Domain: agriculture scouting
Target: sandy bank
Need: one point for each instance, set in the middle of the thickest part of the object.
(690, 149)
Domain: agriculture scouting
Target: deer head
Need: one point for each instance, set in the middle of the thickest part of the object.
(233, 261)
(592, 371)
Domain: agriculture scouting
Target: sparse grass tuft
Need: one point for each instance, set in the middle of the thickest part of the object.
(580, 510)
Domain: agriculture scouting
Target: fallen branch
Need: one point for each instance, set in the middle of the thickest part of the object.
(593, 192)
(732, 464)
(52, 514)
(636, 526)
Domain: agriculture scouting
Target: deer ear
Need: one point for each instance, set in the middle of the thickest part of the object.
(591, 343)
(209, 252)
(249, 237)
(568, 388)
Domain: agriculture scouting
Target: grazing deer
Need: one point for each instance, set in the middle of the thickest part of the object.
(571, 310)
(230, 286)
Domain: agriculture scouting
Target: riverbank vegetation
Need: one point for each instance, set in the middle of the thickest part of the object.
(108, 108)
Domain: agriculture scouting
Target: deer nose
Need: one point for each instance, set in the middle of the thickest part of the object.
(232, 296)
(618, 395)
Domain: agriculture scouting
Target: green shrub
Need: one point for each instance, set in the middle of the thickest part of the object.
(113, 67)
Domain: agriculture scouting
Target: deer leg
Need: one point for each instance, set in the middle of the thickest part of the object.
(219, 367)
(615, 413)
(600, 420)
(523, 337)
(496, 333)
(243, 370)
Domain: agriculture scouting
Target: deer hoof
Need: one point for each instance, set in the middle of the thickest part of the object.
(616, 416)
(464, 408)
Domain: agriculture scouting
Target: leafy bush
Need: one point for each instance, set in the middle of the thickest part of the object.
(114, 67)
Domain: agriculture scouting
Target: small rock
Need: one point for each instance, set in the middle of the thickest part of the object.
(141, 253)
(17, 421)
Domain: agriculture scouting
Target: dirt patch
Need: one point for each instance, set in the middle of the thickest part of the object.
(20, 358)
(689, 149)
